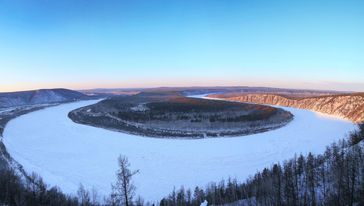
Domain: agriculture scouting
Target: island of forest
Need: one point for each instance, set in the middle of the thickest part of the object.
(172, 115)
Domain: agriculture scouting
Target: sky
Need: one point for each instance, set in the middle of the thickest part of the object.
(85, 44)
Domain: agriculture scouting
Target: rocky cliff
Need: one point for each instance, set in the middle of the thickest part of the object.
(348, 106)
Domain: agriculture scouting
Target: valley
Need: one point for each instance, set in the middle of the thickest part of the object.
(66, 154)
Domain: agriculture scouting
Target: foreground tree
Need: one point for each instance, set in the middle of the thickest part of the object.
(124, 189)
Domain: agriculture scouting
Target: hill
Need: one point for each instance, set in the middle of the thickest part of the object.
(42, 96)
(169, 114)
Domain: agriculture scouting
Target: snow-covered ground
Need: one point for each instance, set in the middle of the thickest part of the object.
(66, 154)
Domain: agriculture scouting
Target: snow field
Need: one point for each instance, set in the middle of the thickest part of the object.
(66, 154)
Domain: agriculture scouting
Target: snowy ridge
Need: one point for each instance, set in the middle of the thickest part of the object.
(42, 96)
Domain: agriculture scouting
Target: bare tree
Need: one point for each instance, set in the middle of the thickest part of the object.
(124, 189)
(139, 201)
(83, 196)
(94, 196)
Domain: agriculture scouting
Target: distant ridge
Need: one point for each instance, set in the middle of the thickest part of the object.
(41, 96)
(194, 90)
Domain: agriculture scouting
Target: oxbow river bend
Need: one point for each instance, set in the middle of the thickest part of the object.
(66, 154)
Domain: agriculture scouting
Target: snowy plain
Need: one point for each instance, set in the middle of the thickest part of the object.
(66, 154)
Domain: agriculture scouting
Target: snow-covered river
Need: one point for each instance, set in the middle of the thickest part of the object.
(66, 154)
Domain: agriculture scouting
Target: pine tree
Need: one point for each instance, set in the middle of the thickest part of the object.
(124, 189)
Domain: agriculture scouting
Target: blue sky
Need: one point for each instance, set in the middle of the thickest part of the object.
(109, 44)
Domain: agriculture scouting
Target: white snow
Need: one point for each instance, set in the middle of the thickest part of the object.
(65, 153)
(140, 108)
(204, 203)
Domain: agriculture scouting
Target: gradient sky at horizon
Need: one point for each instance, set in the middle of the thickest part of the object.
(142, 43)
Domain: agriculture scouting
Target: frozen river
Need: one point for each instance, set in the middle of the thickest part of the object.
(66, 154)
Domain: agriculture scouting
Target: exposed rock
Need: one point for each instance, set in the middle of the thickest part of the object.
(348, 106)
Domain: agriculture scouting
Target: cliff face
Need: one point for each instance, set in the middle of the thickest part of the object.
(348, 106)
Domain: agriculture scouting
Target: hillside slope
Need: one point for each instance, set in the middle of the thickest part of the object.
(348, 106)
(42, 96)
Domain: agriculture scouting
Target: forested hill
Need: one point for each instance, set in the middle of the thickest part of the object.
(168, 114)
(42, 96)
(334, 178)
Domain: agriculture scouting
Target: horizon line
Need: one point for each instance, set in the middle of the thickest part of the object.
(181, 87)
